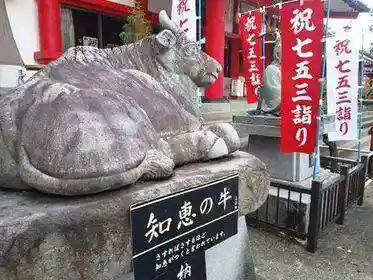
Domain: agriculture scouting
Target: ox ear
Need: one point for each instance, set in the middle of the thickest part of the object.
(166, 39)
(166, 22)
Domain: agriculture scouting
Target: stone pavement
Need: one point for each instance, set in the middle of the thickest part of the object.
(345, 252)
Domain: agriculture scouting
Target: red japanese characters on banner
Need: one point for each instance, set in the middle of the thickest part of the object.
(182, 8)
(301, 63)
(184, 15)
(250, 29)
(343, 54)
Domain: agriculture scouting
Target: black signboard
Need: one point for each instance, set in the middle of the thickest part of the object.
(192, 268)
(170, 231)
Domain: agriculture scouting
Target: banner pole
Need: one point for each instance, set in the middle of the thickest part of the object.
(200, 24)
(264, 30)
(317, 147)
(360, 96)
(199, 40)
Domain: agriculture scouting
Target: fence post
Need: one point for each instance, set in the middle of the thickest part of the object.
(369, 172)
(362, 174)
(315, 215)
(343, 193)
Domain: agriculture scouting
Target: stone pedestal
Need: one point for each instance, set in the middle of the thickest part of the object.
(262, 134)
(89, 238)
(292, 167)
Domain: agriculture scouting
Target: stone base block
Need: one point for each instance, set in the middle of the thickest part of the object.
(89, 238)
(264, 137)
(292, 167)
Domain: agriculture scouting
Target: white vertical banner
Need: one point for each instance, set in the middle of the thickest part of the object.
(343, 54)
(184, 15)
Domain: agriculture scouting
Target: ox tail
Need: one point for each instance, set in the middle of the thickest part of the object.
(75, 187)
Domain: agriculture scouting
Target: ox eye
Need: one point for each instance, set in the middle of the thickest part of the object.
(191, 50)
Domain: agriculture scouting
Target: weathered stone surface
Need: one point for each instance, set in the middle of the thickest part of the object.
(100, 119)
(293, 167)
(258, 120)
(262, 135)
(89, 238)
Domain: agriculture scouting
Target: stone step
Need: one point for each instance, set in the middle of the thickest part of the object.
(215, 107)
(216, 117)
(350, 144)
(368, 123)
(353, 145)
(367, 106)
(224, 112)
(367, 117)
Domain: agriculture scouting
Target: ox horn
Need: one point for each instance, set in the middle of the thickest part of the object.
(166, 22)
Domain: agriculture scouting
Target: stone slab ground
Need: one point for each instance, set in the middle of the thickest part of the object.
(345, 252)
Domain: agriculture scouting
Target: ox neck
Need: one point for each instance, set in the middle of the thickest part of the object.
(142, 55)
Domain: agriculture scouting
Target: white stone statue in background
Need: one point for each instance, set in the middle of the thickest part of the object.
(270, 94)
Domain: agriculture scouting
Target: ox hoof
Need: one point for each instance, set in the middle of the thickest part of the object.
(157, 165)
(218, 150)
(228, 133)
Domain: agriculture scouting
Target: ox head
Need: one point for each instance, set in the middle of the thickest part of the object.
(180, 55)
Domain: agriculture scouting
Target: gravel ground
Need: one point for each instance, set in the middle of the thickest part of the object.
(345, 252)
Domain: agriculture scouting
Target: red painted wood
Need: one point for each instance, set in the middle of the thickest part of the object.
(144, 4)
(111, 8)
(236, 43)
(215, 40)
(50, 22)
(103, 6)
(236, 7)
(257, 2)
(235, 58)
(50, 31)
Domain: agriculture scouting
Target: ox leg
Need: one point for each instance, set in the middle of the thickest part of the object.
(157, 165)
(197, 146)
(226, 132)
(78, 143)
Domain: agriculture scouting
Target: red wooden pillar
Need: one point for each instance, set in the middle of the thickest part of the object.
(235, 64)
(236, 43)
(144, 4)
(50, 31)
(215, 40)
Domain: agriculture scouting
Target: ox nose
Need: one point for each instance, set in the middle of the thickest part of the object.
(218, 69)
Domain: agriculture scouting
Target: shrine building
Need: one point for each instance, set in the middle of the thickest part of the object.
(40, 30)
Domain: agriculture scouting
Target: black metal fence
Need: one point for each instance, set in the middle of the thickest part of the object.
(303, 212)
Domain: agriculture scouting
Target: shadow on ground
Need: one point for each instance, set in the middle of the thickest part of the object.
(345, 252)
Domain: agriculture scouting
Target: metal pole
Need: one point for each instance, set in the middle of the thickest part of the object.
(360, 97)
(200, 23)
(199, 40)
(264, 30)
(317, 150)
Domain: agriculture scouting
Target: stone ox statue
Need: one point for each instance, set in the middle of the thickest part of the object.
(99, 119)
